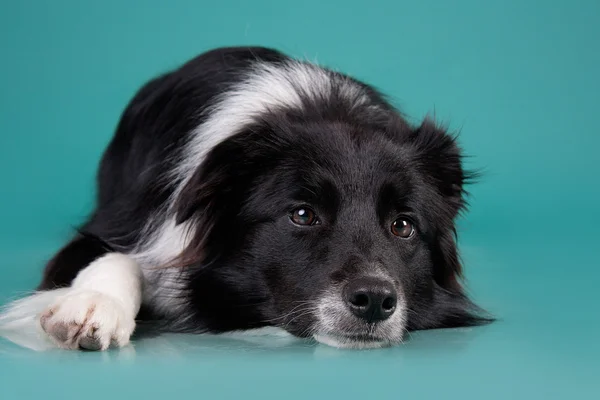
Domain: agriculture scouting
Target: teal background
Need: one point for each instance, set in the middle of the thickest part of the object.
(519, 79)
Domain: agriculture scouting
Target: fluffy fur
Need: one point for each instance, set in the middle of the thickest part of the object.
(200, 194)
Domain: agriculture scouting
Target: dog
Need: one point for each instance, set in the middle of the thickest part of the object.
(249, 189)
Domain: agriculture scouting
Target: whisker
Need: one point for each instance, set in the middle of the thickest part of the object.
(306, 312)
(295, 310)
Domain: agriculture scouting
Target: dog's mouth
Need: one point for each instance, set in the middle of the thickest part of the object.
(355, 341)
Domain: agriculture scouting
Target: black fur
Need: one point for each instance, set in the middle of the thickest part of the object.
(247, 265)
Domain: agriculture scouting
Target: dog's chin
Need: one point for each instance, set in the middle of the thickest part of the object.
(346, 341)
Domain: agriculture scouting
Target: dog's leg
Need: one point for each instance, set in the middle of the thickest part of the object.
(100, 306)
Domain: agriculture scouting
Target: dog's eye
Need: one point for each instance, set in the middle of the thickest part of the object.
(403, 228)
(304, 216)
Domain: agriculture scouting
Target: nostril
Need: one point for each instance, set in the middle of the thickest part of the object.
(360, 300)
(370, 299)
(388, 303)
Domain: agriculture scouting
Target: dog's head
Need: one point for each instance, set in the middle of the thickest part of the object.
(339, 231)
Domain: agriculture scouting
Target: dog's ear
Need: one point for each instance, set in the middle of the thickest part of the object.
(440, 163)
(212, 197)
(208, 185)
(440, 160)
(207, 202)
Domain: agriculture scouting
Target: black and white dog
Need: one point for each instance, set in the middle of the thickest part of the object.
(247, 189)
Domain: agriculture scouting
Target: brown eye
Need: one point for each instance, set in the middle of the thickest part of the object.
(304, 216)
(403, 228)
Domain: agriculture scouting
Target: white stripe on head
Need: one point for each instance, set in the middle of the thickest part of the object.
(266, 87)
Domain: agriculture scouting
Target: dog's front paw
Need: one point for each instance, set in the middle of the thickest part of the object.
(87, 320)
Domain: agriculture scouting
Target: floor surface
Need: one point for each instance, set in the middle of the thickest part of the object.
(544, 346)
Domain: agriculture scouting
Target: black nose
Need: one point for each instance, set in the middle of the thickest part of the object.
(371, 299)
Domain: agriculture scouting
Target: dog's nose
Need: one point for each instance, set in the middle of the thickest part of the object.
(371, 299)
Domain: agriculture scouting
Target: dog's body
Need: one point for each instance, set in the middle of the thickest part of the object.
(247, 189)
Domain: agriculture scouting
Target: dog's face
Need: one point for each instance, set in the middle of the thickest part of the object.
(343, 233)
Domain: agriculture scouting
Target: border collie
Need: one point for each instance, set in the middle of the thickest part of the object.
(248, 189)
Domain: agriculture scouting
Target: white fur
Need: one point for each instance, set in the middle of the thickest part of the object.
(20, 323)
(267, 87)
(97, 310)
(347, 343)
(163, 285)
